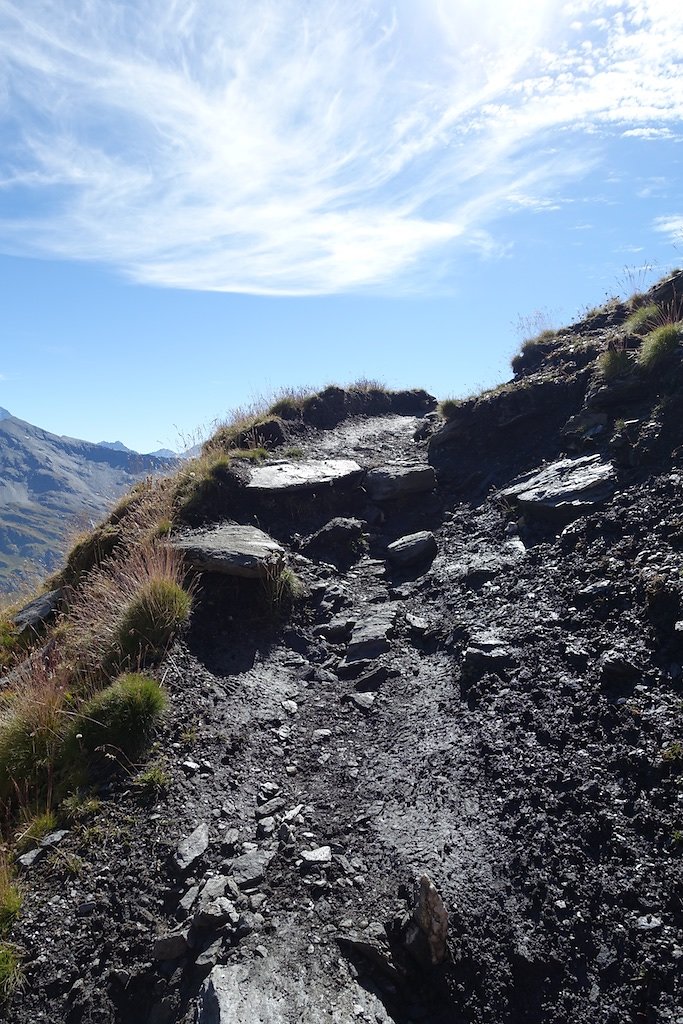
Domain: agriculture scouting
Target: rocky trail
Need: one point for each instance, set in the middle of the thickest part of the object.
(493, 702)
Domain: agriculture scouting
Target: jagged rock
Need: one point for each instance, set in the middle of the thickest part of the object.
(431, 917)
(37, 612)
(192, 848)
(370, 636)
(477, 568)
(271, 807)
(307, 475)
(387, 483)
(320, 857)
(338, 538)
(414, 548)
(363, 701)
(170, 947)
(231, 549)
(564, 489)
(249, 869)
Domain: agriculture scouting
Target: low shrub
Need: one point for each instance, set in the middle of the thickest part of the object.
(449, 408)
(122, 717)
(532, 350)
(659, 346)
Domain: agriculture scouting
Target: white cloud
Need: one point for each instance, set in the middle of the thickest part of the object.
(275, 147)
(671, 226)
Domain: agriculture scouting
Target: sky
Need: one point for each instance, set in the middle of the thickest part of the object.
(204, 201)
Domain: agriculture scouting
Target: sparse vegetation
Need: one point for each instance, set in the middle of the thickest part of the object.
(11, 973)
(36, 825)
(615, 362)
(659, 346)
(673, 754)
(10, 896)
(153, 780)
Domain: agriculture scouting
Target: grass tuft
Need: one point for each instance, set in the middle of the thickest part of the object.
(11, 973)
(659, 346)
(644, 318)
(122, 717)
(10, 896)
(614, 363)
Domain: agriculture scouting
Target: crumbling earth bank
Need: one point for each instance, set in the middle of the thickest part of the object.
(488, 730)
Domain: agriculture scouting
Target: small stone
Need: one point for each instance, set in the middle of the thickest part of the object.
(320, 856)
(271, 807)
(415, 547)
(249, 869)
(648, 923)
(86, 909)
(290, 706)
(193, 847)
(265, 828)
(54, 838)
(190, 767)
(321, 735)
(27, 860)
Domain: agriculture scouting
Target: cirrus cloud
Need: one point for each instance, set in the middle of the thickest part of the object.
(275, 147)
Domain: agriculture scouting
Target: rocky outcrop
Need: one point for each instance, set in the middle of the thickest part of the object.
(565, 489)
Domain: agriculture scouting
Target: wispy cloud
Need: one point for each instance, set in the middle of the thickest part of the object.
(274, 147)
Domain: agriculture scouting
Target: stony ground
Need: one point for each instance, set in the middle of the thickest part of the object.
(505, 719)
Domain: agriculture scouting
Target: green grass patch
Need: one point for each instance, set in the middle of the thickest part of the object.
(659, 346)
(122, 717)
(644, 318)
(10, 897)
(152, 618)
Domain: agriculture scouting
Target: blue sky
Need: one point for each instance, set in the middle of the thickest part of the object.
(203, 201)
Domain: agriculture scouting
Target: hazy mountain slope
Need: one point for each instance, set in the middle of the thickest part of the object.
(51, 485)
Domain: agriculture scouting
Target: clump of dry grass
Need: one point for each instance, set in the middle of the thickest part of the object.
(31, 728)
(128, 610)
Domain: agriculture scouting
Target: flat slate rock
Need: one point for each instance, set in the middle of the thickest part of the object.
(565, 489)
(370, 636)
(250, 869)
(306, 475)
(231, 549)
(397, 480)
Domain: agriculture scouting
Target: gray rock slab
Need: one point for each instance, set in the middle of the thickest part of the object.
(306, 475)
(170, 947)
(231, 549)
(370, 636)
(192, 847)
(271, 990)
(565, 489)
(36, 612)
(397, 480)
(414, 548)
(250, 868)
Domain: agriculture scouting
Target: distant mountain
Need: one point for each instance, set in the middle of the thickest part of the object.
(52, 486)
(115, 446)
(119, 446)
